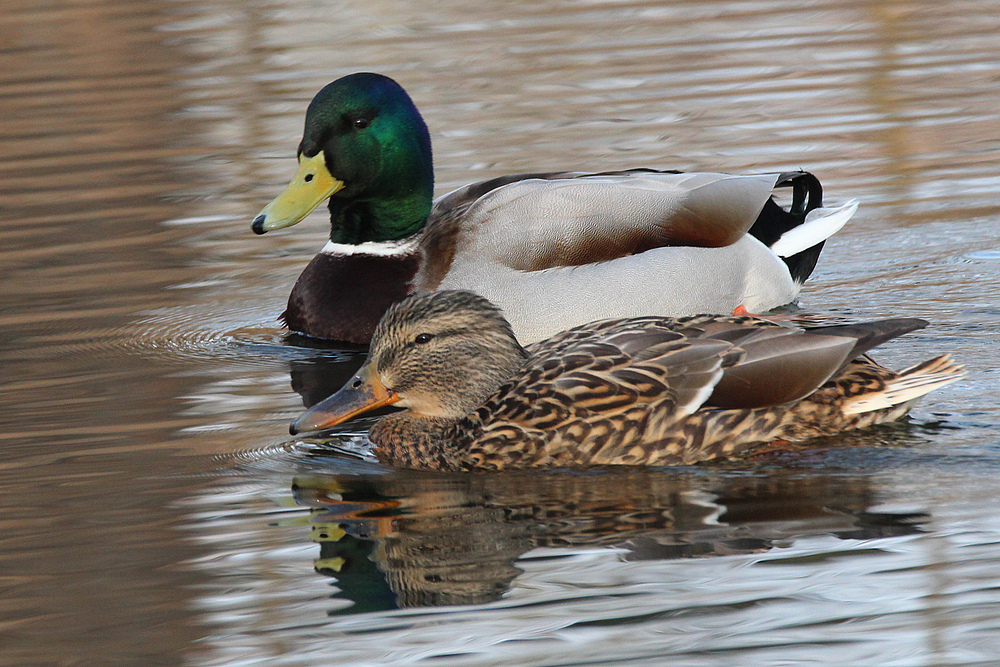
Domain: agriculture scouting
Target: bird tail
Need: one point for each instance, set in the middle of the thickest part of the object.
(819, 225)
(797, 234)
(910, 384)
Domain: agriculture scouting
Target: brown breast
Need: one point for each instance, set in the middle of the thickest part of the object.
(342, 297)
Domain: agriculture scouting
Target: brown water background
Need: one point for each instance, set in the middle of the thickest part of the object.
(153, 510)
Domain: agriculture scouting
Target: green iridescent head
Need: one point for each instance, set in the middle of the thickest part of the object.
(366, 148)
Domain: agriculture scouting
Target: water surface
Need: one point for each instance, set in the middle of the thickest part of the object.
(154, 509)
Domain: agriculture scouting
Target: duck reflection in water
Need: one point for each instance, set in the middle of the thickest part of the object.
(416, 539)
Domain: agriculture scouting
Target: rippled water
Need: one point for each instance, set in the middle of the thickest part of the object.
(155, 512)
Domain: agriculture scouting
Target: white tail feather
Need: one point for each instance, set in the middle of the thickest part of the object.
(820, 224)
(911, 384)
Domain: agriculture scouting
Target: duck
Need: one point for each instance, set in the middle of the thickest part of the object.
(641, 391)
(554, 249)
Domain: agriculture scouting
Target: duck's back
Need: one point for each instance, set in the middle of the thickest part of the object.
(613, 392)
(556, 250)
(654, 391)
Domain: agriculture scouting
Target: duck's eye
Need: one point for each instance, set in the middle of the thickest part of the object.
(361, 123)
(423, 338)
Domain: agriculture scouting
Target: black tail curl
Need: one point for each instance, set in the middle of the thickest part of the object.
(773, 221)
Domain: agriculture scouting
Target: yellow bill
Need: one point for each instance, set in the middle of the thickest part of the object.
(310, 187)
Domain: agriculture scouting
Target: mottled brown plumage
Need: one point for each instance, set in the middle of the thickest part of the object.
(636, 391)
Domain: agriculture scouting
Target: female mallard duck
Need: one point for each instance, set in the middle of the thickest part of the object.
(553, 250)
(637, 391)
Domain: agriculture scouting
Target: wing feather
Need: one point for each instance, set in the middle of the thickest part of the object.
(631, 365)
(539, 223)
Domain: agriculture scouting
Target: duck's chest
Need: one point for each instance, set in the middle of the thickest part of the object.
(342, 295)
(402, 440)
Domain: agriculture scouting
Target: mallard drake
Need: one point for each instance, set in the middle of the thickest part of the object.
(634, 391)
(552, 249)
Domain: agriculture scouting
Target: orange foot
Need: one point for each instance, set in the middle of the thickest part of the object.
(741, 311)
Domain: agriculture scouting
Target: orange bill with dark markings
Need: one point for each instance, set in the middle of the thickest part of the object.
(362, 393)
